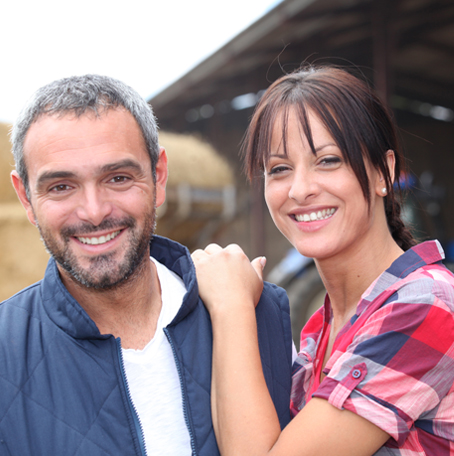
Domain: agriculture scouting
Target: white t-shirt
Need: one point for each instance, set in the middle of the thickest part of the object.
(153, 378)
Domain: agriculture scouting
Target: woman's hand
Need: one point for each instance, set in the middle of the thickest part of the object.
(227, 278)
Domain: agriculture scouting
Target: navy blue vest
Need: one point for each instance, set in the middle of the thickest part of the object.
(62, 385)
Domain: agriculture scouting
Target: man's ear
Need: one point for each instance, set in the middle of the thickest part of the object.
(161, 177)
(22, 195)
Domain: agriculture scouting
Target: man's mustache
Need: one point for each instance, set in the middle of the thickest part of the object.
(107, 224)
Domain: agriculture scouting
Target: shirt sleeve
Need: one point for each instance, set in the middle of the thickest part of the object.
(294, 353)
(399, 364)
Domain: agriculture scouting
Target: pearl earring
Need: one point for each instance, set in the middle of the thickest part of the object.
(384, 190)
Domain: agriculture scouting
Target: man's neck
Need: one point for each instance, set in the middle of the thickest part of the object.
(129, 311)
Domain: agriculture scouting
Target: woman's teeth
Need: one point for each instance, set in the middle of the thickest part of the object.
(98, 240)
(314, 216)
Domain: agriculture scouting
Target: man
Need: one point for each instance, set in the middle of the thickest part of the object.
(110, 354)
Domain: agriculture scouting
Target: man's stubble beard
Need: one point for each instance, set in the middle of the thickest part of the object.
(104, 272)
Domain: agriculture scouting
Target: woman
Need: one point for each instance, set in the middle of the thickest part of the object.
(375, 370)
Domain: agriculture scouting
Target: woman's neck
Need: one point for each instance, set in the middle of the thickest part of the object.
(348, 275)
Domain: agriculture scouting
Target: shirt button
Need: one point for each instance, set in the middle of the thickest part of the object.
(356, 373)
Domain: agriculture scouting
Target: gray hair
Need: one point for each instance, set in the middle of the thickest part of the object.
(77, 95)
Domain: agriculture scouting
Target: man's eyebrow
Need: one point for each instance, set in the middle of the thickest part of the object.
(127, 163)
(52, 175)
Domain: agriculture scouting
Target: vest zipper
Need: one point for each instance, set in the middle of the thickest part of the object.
(183, 393)
(135, 415)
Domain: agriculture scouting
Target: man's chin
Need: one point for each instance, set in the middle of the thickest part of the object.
(96, 278)
(102, 273)
(101, 284)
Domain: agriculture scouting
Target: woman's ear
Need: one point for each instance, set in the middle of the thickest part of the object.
(381, 185)
(391, 162)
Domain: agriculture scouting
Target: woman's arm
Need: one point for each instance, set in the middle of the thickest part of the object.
(244, 417)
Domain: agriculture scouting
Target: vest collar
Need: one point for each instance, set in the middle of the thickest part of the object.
(69, 315)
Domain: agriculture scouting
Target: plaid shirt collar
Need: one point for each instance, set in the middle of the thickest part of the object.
(423, 254)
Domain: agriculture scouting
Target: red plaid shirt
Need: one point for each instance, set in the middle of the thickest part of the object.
(393, 363)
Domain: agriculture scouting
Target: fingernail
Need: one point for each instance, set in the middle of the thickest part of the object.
(263, 262)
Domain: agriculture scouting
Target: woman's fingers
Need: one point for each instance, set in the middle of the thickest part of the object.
(213, 248)
(226, 275)
(259, 264)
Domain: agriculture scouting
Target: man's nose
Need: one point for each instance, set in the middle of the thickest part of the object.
(94, 206)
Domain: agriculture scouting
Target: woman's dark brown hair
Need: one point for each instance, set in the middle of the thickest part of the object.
(355, 117)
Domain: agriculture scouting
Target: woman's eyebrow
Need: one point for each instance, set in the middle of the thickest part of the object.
(317, 149)
(278, 155)
(321, 147)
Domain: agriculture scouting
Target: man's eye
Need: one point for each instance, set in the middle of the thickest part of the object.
(60, 188)
(119, 179)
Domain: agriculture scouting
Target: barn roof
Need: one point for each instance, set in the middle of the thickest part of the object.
(405, 46)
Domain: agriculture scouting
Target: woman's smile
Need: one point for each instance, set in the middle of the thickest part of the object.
(315, 215)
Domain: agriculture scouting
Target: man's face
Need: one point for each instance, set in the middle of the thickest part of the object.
(92, 194)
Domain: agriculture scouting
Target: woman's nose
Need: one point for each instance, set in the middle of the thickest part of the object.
(303, 186)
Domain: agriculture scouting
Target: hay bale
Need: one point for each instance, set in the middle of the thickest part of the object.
(24, 258)
(198, 171)
(7, 193)
(194, 162)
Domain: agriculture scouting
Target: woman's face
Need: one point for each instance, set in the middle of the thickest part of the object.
(316, 201)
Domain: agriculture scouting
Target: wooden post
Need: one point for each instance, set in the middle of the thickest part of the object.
(382, 38)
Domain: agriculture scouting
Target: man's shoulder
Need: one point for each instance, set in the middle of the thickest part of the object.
(273, 315)
(26, 297)
(23, 321)
(275, 341)
(171, 254)
(22, 298)
(20, 307)
(275, 296)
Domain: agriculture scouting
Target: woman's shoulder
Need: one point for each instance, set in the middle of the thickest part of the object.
(431, 284)
(417, 276)
(428, 277)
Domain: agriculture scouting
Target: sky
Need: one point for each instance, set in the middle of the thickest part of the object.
(147, 44)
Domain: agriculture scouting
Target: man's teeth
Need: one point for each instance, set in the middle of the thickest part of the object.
(313, 216)
(98, 240)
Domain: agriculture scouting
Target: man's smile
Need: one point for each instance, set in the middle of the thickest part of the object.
(100, 239)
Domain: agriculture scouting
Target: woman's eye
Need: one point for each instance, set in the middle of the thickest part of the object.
(330, 161)
(277, 169)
